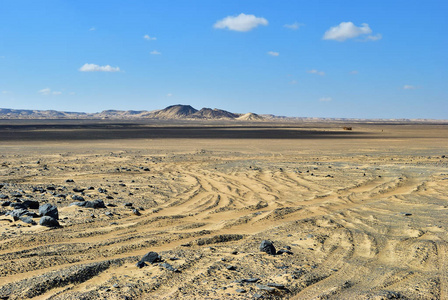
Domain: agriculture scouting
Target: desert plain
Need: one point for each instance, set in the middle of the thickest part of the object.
(352, 214)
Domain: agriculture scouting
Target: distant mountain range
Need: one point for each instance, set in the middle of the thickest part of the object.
(177, 112)
(173, 112)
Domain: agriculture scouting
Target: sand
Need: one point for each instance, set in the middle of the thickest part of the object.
(363, 213)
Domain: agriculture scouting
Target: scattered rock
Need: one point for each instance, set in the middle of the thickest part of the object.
(136, 212)
(3, 196)
(78, 190)
(49, 222)
(265, 288)
(268, 247)
(49, 210)
(281, 251)
(28, 220)
(17, 205)
(6, 203)
(241, 291)
(151, 257)
(169, 267)
(31, 204)
(78, 198)
(128, 204)
(276, 285)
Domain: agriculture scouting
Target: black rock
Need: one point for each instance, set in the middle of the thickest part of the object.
(136, 212)
(265, 288)
(31, 204)
(276, 285)
(268, 247)
(250, 280)
(6, 203)
(38, 189)
(111, 205)
(49, 210)
(49, 222)
(90, 204)
(128, 204)
(81, 204)
(61, 196)
(169, 267)
(77, 198)
(78, 190)
(16, 195)
(17, 205)
(101, 190)
(151, 257)
(231, 268)
(1, 185)
(90, 188)
(108, 213)
(16, 213)
(3, 196)
(109, 197)
(240, 291)
(51, 188)
(141, 264)
(69, 180)
(28, 220)
(281, 251)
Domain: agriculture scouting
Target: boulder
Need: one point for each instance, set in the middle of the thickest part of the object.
(151, 257)
(268, 247)
(49, 222)
(49, 210)
(31, 204)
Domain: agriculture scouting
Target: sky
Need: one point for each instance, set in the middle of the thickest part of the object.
(334, 59)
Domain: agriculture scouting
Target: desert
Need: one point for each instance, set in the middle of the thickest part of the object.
(216, 210)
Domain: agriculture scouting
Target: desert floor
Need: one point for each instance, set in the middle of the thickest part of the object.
(363, 212)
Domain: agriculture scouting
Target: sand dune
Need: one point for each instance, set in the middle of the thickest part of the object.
(364, 217)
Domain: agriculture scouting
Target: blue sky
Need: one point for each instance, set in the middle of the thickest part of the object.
(355, 59)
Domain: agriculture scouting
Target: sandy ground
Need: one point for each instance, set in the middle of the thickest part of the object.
(364, 217)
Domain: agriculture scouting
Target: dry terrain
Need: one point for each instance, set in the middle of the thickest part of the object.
(353, 214)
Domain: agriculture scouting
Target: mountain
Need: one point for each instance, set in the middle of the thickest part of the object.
(250, 117)
(175, 112)
(208, 113)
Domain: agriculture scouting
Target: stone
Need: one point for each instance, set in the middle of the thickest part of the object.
(3, 196)
(281, 251)
(69, 180)
(6, 203)
(266, 288)
(128, 204)
(136, 212)
(78, 190)
(28, 220)
(241, 291)
(17, 205)
(169, 267)
(49, 210)
(231, 268)
(276, 285)
(151, 257)
(78, 198)
(49, 222)
(31, 204)
(268, 247)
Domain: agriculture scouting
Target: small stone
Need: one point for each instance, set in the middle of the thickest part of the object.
(265, 288)
(136, 212)
(69, 180)
(169, 267)
(268, 247)
(241, 291)
(231, 268)
(141, 264)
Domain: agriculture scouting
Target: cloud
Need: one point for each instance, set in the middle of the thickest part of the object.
(293, 82)
(92, 29)
(293, 26)
(409, 87)
(242, 22)
(72, 93)
(354, 72)
(321, 73)
(47, 91)
(272, 53)
(325, 99)
(6, 92)
(149, 38)
(348, 30)
(155, 52)
(169, 95)
(97, 68)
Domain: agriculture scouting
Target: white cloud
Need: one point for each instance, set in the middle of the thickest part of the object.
(72, 93)
(321, 73)
(348, 30)
(45, 91)
(325, 99)
(293, 26)
(293, 82)
(242, 22)
(97, 68)
(6, 92)
(48, 91)
(92, 29)
(149, 38)
(272, 53)
(373, 38)
(354, 72)
(155, 52)
(169, 95)
(409, 87)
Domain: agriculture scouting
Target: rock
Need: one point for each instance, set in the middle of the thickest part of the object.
(61, 196)
(69, 180)
(250, 280)
(136, 212)
(16, 213)
(141, 264)
(90, 204)
(49, 210)
(16, 195)
(276, 285)
(111, 205)
(78, 198)
(108, 213)
(266, 288)
(49, 222)
(151, 257)
(281, 251)
(6, 203)
(241, 291)
(231, 268)
(268, 247)
(101, 190)
(128, 204)
(31, 204)
(28, 220)
(78, 190)
(3, 196)
(169, 267)
(38, 189)
(17, 205)
(51, 188)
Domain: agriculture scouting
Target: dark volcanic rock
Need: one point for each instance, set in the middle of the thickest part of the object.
(77, 198)
(16, 195)
(38, 189)
(78, 190)
(49, 222)
(49, 210)
(6, 203)
(3, 196)
(90, 204)
(31, 204)
(28, 220)
(169, 267)
(151, 257)
(136, 212)
(17, 205)
(268, 247)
